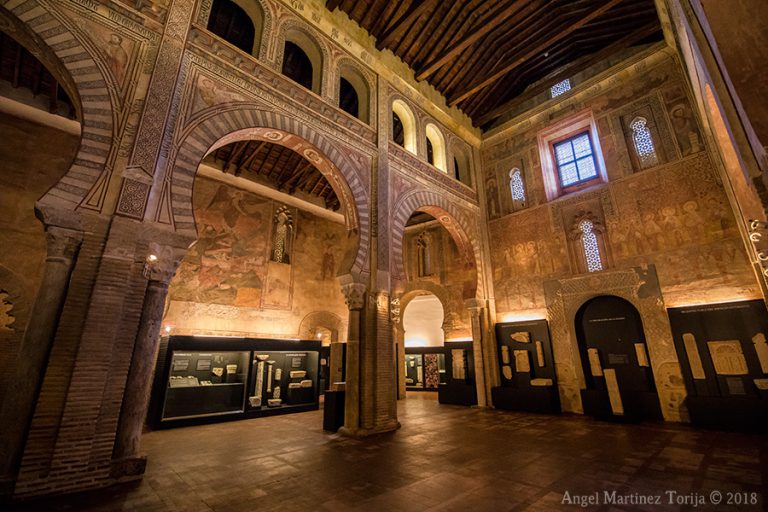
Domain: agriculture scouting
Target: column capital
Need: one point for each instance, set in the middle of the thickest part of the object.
(354, 295)
(161, 262)
(62, 243)
(474, 305)
(394, 311)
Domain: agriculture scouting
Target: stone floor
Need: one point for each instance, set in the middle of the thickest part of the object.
(445, 458)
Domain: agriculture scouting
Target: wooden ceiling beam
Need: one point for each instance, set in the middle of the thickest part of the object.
(543, 45)
(333, 4)
(246, 165)
(414, 12)
(496, 19)
(234, 153)
(570, 70)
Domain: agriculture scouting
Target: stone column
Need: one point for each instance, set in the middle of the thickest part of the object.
(354, 295)
(398, 333)
(476, 314)
(23, 387)
(126, 459)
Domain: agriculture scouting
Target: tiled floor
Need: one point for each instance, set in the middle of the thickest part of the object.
(445, 458)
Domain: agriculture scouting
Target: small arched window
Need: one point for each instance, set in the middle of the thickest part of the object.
(643, 142)
(430, 152)
(348, 100)
(233, 24)
(403, 122)
(397, 129)
(517, 189)
(297, 66)
(436, 148)
(594, 261)
(353, 93)
(281, 235)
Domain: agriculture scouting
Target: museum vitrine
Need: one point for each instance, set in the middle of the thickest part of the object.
(202, 379)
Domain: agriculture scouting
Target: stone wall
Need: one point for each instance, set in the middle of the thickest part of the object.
(227, 285)
(671, 218)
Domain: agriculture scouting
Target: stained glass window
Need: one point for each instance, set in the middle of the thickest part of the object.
(516, 185)
(591, 248)
(644, 147)
(575, 160)
(560, 88)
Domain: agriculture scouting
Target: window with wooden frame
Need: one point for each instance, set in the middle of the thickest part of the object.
(575, 161)
(570, 155)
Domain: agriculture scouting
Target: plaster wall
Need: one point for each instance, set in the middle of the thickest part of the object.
(227, 285)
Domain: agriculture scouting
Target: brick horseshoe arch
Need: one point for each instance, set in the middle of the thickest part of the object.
(94, 96)
(453, 219)
(221, 125)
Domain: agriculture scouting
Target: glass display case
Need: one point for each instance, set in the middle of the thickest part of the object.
(202, 379)
(425, 368)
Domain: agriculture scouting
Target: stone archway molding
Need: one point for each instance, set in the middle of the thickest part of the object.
(457, 222)
(223, 125)
(640, 287)
(81, 71)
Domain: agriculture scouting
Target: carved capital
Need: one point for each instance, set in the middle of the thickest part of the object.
(62, 243)
(394, 311)
(474, 306)
(354, 295)
(162, 262)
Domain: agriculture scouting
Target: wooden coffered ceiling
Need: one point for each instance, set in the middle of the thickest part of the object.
(484, 55)
(275, 166)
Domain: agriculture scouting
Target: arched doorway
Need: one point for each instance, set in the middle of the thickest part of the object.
(614, 357)
(424, 337)
(274, 230)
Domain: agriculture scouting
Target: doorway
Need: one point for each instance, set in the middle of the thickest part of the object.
(614, 357)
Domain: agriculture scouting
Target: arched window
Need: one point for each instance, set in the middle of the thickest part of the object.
(281, 235)
(424, 255)
(296, 65)
(303, 60)
(353, 93)
(348, 100)
(641, 137)
(436, 144)
(397, 129)
(238, 22)
(594, 261)
(456, 169)
(408, 122)
(517, 189)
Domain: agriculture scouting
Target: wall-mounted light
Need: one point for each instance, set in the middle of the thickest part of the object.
(168, 328)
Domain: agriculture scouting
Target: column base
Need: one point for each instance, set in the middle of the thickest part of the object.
(390, 426)
(129, 468)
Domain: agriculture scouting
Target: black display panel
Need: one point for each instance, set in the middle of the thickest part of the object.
(528, 378)
(723, 356)
(449, 370)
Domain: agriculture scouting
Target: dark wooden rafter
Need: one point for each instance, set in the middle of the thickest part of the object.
(414, 12)
(538, 48)
(333, 4)
(569, 71)
(486, 25)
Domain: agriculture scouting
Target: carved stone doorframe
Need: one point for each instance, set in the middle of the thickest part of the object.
(639, 286)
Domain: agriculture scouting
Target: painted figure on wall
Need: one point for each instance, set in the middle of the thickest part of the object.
(493, 198)
(685, 129)
(117, 57)
(328, 266)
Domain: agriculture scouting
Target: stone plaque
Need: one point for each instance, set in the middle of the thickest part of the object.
(762, 384)
(506, 371)
(505, 354)
(541, 382)
(521, 337)
(539, 354)
(642, 356)
(458, 370)
(617, 407)
(522, 362)
(728, 357)
(761, 347)
(692, 351)
(594, 362)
